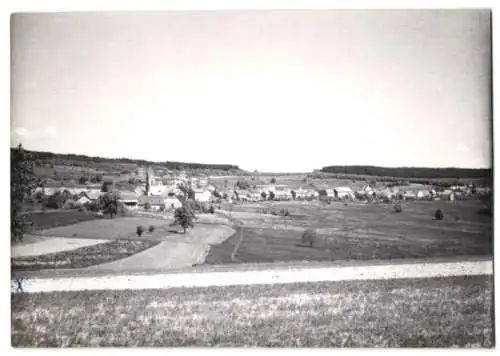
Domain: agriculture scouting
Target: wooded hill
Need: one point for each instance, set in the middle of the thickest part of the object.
(79, 160)
(411, 172)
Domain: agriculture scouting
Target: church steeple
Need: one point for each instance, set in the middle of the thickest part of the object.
(149, 179)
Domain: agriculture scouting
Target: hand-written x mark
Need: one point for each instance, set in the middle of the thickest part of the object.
(19, 281)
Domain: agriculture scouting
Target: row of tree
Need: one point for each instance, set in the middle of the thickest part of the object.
(410, 172)
(49, 156)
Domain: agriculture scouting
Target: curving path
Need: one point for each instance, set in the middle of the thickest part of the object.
(176, 251)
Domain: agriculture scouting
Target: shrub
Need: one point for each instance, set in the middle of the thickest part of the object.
(309, 237)
(140, 230)
(439, 215)
(55, 201)
(398, 208)
(211, 210)
(151, 228)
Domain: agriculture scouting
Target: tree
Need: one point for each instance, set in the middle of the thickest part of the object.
(184, 217)
(22, 183)
(309, 237)
(109, 204)
(294, 195)
(271, 195)
(82, 180)
(273, 180)
(263, 195)
(56, 200)
(217, 194)
(107, 187)
(191, 194)
(242, 184)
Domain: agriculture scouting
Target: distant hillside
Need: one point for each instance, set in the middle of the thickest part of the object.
(410, 172)
(58, 158)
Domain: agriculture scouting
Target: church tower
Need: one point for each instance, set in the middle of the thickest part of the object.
(149, 180)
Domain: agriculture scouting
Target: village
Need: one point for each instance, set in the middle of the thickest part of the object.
(163, 193)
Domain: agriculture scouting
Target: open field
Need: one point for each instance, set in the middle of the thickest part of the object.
(112, 229)
(56, 218)
(357, 231)
(439, 312)
(82, 257)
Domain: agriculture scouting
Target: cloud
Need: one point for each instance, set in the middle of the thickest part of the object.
(21, 131)
(462, 148)
(50, 131)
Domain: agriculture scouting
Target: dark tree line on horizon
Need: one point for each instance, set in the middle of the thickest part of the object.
(410, 172)
(395, 172)
(47, 156)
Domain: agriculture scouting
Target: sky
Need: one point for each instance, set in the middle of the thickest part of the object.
(276, 91)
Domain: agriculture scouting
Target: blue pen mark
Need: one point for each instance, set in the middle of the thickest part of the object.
(19, 281)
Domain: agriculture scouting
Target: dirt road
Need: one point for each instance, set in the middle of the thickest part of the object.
(176, 251)
(271, 276)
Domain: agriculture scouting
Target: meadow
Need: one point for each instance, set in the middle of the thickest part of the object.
(441, 312)
(112, 229)
(356, 231)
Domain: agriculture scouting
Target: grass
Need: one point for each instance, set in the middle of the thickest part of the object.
(82, 257)
(444, 312)
(117, 228)
(357, 232)
(58, 218)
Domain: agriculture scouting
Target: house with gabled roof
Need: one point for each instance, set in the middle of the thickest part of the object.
(343, 193)
(202, 195)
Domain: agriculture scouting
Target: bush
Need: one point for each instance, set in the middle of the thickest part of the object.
(211, 210)
(140, 230)
(55, 201)
(439, 215)
(398, 208)
(151, 228)
(309, 237)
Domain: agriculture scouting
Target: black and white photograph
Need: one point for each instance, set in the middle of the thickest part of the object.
(270, 178)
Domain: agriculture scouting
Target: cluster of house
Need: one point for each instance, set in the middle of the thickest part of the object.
(157, 195)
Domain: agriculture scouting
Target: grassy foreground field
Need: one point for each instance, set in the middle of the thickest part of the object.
(82, 257)
(357, 231)
(446, 312)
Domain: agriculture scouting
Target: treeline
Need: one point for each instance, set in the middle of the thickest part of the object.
(49, 156)
(410, 172)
